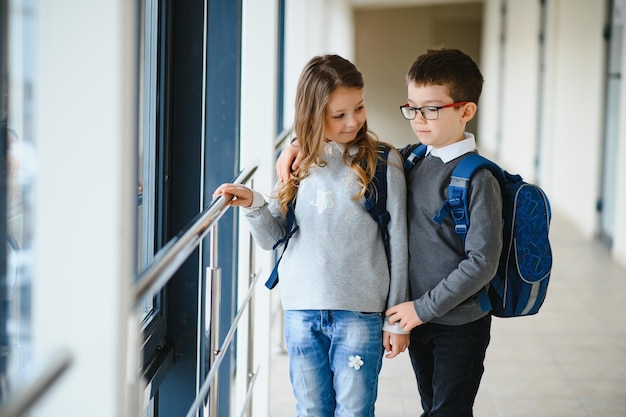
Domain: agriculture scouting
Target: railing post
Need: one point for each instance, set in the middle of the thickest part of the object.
(251, 309)
(214, 284)
(251, 372)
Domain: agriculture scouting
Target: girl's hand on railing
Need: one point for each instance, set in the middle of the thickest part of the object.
(235, 194)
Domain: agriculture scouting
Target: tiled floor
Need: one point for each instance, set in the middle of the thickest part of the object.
(567, 361)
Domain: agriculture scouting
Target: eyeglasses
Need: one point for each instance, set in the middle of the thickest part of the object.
(428, 112)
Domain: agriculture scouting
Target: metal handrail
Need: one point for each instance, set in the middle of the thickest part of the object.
(246, 401)
(32, 388)
(169, 259)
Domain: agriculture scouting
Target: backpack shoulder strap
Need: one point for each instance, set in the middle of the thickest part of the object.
(411, 154)
(472, 162)
(457, 204)
(378, 187)
(292, 227)
(376, 196)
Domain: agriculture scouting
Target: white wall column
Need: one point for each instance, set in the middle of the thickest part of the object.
(258, 131)
(84, 252)
(314, 27)
(619, 240)
(516, 149)
(490, 66)
(574, 78)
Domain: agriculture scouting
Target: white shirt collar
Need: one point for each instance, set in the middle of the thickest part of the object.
(453, 151)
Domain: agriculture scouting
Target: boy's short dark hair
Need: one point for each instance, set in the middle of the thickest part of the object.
(451, 68)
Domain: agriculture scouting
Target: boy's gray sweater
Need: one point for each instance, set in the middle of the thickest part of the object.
(445, 275)
(336, 260)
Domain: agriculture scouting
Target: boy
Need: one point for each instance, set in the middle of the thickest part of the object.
(449, 330)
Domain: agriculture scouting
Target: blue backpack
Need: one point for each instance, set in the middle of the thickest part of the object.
(520, 285)
(375, 204)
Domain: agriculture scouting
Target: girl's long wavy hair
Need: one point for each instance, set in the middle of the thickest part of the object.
(320, 78)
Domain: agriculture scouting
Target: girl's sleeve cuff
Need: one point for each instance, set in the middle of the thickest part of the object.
(257, 201)
(393, 328)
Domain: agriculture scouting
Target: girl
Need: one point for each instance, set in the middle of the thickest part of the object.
(335, 280)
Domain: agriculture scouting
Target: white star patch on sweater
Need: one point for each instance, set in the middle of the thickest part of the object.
(324, 201)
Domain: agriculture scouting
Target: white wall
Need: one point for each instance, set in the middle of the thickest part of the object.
(573, 111)
(490, 66)
(516, 149)
(313, 27)
(387, 42)
(619, 241)
(86, 105)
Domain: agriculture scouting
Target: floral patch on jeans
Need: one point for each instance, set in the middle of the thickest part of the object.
(355, 362)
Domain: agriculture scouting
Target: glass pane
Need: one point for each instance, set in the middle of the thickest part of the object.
(16, 343)
(612, 116)
(147, 141)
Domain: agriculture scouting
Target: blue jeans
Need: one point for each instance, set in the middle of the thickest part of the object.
(448, 364)
(335, 357)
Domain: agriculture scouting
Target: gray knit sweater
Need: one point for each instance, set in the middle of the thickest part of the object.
(445, 276)
(336, 260)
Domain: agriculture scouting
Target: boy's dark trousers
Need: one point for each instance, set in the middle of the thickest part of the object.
(448, 363)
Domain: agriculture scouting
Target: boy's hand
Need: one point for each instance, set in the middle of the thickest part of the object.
(238, 195)
(395, 343)
(405, 315)
(288, 160)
